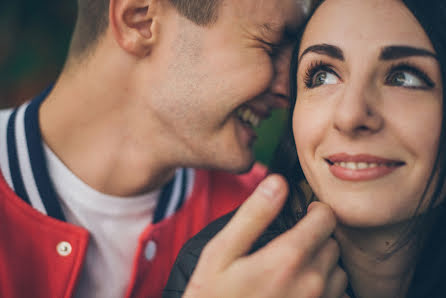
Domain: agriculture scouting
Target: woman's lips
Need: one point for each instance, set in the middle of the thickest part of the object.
(361, 167)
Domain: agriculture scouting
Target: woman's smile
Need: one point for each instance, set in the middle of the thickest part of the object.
(361, 167)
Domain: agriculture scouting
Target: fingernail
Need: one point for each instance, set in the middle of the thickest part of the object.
(310, 207)
(270, 186)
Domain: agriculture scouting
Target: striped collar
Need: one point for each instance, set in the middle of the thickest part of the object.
(23, 163)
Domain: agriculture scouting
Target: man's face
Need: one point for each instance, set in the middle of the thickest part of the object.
(218, 82)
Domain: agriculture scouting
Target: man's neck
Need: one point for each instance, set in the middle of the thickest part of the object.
(89, 123)
(373, 268)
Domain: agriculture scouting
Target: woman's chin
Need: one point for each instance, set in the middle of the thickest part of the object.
(361, 216)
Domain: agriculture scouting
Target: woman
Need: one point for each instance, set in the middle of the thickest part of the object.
(370, 138)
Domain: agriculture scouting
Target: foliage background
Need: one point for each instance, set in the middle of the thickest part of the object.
(34, 39)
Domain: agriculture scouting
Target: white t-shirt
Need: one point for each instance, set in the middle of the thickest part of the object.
(114, 224)
(37, 176)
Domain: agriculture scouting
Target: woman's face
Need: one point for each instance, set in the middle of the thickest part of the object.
(368, 114)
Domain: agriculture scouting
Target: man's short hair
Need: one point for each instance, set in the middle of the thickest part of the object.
(201, 12)
(92, 19)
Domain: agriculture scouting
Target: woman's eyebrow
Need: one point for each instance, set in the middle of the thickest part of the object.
(324, 49)
(387, 53)
(398, 52)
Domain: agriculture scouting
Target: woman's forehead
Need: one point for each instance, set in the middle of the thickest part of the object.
(364, 24)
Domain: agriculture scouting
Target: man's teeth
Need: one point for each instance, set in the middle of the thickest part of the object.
(247, 115)
(362, 165)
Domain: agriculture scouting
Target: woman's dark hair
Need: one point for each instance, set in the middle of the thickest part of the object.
(428, 228)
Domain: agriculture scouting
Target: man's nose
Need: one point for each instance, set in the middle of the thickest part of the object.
(280, 85)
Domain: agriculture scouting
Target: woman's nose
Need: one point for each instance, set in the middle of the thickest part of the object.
(357, 112)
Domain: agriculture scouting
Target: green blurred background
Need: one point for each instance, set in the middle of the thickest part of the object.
(34, 38)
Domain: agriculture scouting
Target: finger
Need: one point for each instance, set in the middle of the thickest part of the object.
(252, 218)
(299, 244)
(336, 284)
(326, 259)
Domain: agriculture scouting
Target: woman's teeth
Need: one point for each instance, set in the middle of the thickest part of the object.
(363, 165)
(246, 115)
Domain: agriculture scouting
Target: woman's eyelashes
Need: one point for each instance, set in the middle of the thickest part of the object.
(407, 75)
(320, 73)
(403, 75)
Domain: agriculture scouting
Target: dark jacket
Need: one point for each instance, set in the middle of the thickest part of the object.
(188, 257)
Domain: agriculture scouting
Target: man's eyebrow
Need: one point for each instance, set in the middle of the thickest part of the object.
(397, 52)
(288, 34)
(324, 49)
(270, 28)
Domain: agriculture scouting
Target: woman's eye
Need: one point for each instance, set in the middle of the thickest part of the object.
(323, 77)
(405, 79)
(319, 73)
(408, 76)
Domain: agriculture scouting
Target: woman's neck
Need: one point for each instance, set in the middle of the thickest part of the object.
(374, 267)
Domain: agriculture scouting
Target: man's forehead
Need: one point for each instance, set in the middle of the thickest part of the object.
(271, 14)
(271, 20)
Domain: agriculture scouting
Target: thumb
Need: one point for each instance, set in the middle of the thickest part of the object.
(252, 218)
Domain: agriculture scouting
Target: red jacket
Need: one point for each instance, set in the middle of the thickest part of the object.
(42, 257)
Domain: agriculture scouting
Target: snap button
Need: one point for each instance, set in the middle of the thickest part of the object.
(64, 248)
(150, 250)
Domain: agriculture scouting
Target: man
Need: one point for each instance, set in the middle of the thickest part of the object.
(99, 193)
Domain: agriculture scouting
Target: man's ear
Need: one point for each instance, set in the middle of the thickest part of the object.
(134, 24)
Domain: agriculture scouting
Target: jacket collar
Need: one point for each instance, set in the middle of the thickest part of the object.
(30, 179)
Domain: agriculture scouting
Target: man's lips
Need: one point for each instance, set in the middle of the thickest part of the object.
(253, 112)
(361, 167)
(252, 115)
